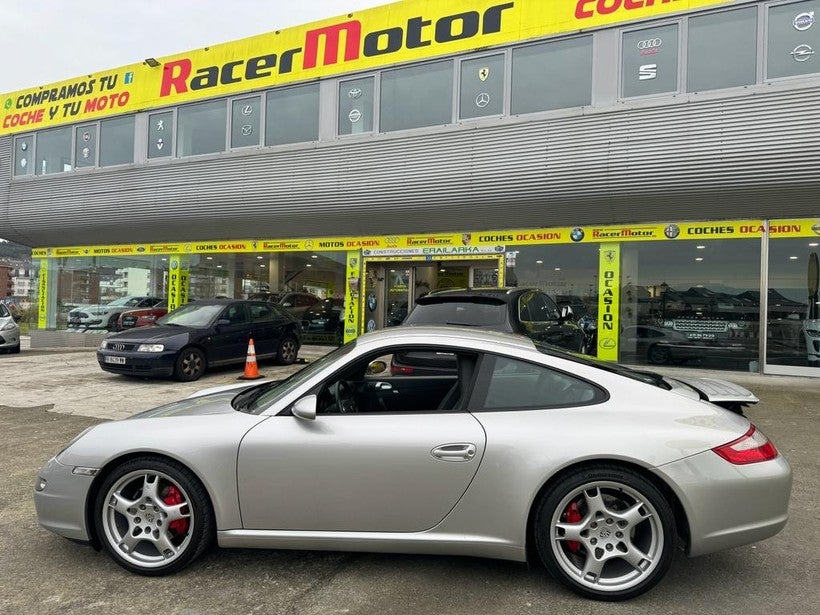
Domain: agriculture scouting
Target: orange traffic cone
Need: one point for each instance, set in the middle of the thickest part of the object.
(251, 369)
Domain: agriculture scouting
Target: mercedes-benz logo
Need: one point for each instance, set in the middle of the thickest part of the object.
(482, 100)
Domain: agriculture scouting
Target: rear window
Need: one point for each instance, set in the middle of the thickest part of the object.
(480, 312)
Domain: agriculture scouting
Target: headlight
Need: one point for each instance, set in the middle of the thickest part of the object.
(150, 317)
(151, 348)
(97, 312)
(8, 326)
(813, 332)
(103, 345)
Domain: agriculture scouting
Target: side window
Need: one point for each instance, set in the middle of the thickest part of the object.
(261, 312)
(524, 308)
(235, 314)
(517, 385)
(551, 311)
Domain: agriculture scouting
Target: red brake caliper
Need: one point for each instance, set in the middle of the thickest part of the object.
(172, 498)
(573, 515)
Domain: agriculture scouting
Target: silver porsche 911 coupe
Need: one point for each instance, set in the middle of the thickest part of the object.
(599, 471)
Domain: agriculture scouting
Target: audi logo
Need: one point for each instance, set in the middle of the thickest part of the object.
(119, 347)
(650, 43)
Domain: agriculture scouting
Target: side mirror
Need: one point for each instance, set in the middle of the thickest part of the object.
(17, 317)
(223, 322)
(305, 408)
(566, 312)
(376, 367)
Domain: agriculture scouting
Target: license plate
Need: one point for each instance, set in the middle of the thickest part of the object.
(74, 321)
(115, 360)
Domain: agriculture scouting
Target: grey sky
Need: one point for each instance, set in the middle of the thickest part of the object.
(44, 41)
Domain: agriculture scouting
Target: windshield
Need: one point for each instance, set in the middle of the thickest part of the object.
(614, 368)
(481, 312)
(4, 312)
(295, 380)
(192, 315)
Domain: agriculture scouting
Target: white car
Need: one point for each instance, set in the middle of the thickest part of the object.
(9, 331)
(105, 316)
(811, 331)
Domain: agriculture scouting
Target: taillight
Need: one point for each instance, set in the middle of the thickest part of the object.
(752, 447)
(400, 370)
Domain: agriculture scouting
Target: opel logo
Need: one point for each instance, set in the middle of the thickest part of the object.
(650, 43)
(482, 100)
(802, 53)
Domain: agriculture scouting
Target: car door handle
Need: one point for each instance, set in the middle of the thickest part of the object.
(454, 452)
(382, 386)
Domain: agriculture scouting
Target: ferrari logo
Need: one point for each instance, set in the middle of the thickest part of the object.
(484, 73)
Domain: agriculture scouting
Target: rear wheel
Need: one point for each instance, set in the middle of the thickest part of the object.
(288, 351)
(606, 532)
(658, 355)
(190, 365)
(153, 516)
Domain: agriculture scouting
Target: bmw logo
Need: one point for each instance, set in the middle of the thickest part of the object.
(671, 231)
(577, 234)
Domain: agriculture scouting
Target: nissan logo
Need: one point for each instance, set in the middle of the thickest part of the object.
(651, 43)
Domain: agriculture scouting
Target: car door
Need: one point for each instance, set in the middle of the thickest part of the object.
(364, 472)
(229, 340)
(266, 323)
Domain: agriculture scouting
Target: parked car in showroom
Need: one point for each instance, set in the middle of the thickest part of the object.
(526, 311)
(324, 319)
(525, 453)
(297, 303)
(201, 335)
(142, 317)
(9, 331)
(661, 345)
(105, 316)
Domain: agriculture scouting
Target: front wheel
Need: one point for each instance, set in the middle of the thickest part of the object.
(153, 516)
(190, 365)
(658, 355)
(606, 532)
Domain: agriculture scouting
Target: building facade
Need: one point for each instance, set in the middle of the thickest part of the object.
(652, 164)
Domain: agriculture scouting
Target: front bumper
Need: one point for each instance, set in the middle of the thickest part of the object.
(729, 505)
(158, 364)
(9, 339)
(61, 504)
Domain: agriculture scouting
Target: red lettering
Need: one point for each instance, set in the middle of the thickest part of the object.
(23, 119)
(174, 75)
(332, 39)
(635, 4)
(603, 9)
(581, 12)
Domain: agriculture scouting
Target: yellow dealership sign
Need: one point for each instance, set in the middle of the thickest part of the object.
(399, 32)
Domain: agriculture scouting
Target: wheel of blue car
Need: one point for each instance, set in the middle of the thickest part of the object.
(153, 516)
(288, 351)
(606, 532)
(190, 364)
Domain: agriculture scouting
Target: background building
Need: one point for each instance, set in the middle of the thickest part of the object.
(652, 163)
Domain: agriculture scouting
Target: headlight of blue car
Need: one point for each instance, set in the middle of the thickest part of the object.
(151, 348)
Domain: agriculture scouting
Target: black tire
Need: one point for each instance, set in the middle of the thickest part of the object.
(625, 531)
(658, 355)
(134, 516)
(288, 351)
(190, 364)
(112, 323)
(15, 349)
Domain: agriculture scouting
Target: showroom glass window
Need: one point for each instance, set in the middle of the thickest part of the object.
(85, 146)
(555, 75)
(23, 153)
(54, 151)
(649, 61)
(161, 134)
(292, 115)
(722, 50)
(356, 106)
(567, 273)
(793, 39)
(416, 96)
(117, 141)
(793, 303)
(691, 302)
(201, 128)
(246, 121)
(482, 87)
